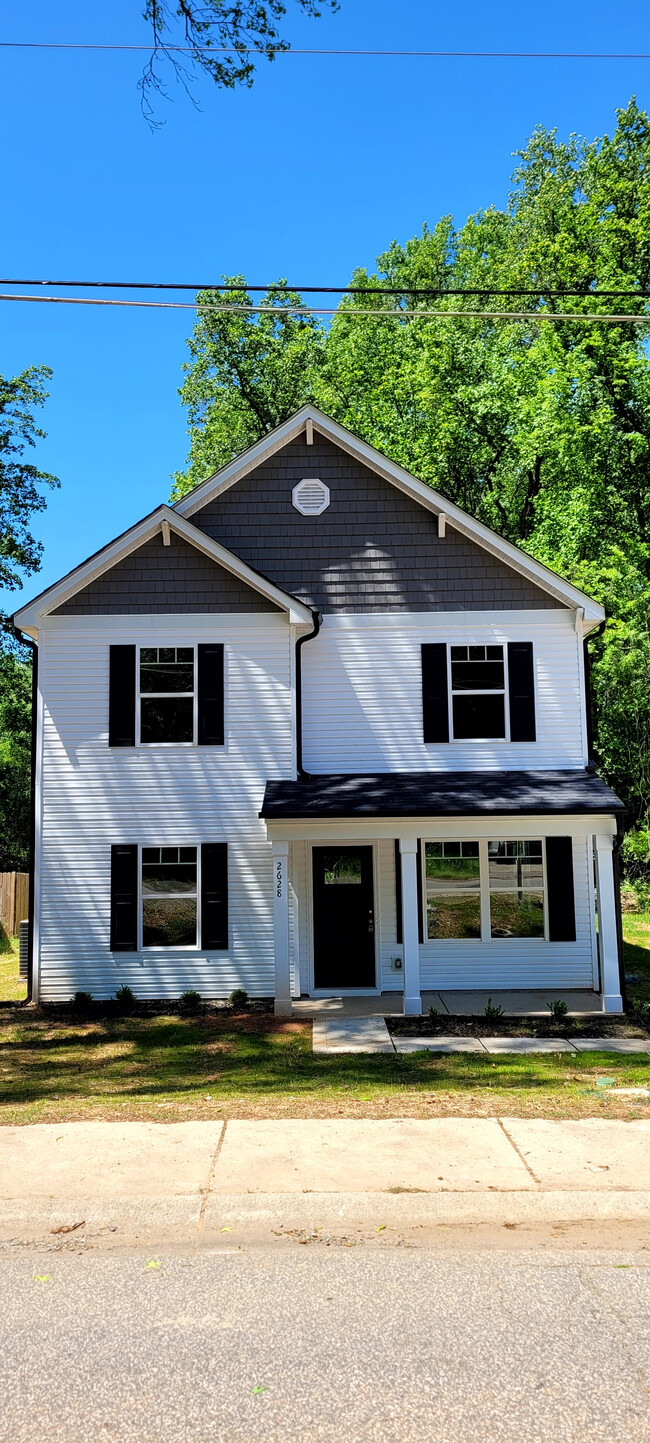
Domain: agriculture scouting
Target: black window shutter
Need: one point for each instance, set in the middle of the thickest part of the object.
(210, 693)
(214, 896)
(420, 898)
(121, 697)
(521, 689)
(559, 889)
(435, 692)
(399, 923)
(124, 898)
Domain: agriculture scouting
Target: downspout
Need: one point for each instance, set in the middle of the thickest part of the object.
(27, 641)
(309, 636)
(616, 855)
(592, 735)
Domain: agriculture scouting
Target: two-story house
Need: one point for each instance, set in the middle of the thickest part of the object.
(314, 730)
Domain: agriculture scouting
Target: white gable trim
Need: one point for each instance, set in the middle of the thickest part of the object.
(164, 520)
(229, 475)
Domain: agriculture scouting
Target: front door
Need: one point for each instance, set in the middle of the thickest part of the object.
(344, 918)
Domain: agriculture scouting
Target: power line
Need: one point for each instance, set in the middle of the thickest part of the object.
(378, 54)
(353, 313)
(335, 290)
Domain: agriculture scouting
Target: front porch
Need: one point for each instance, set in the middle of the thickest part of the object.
(452, 1004)
(395, 893)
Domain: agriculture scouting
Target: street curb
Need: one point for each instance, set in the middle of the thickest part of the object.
(196, 1214)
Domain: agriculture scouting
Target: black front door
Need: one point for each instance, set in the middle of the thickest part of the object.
(344, 918)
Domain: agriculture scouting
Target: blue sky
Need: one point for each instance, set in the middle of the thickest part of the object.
(313, 171)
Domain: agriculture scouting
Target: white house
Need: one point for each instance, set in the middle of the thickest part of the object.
(314, 730)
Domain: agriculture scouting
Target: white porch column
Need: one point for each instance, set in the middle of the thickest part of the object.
(607, 936)
(282, 1007)
(410, 930)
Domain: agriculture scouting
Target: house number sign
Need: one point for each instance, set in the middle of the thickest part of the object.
(279, 878)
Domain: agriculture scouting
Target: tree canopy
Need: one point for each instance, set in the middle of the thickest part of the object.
(22, 494)
(218, 37)
(540, 427)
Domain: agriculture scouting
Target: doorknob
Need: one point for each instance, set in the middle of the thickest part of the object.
(371, 921)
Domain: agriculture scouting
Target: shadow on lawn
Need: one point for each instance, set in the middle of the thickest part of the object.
(175, 1059)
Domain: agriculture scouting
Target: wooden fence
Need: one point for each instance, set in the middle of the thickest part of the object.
(14, 900)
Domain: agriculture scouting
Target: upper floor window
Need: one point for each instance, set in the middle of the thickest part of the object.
(478, 692)
(481, 692)
(167, 694)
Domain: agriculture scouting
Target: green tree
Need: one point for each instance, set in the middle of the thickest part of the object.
(248, 374)
(218, 37)
(15, 754)
(21, 496)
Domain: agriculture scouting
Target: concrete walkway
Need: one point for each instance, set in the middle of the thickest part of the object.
(211, 1175)
(333, 1033)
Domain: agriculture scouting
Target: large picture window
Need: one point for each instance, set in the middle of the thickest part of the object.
(167, 694)
(489, 890)
(169, 896)
(453, 889)
(478, 693)
(516, 875)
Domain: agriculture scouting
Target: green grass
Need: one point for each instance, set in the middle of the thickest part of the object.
(636, 934)
(168, 1068)
(12, 987)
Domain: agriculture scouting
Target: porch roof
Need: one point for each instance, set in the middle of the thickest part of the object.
(439, 794)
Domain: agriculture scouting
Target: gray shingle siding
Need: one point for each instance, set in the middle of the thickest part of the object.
(373, 549)
(165, 579)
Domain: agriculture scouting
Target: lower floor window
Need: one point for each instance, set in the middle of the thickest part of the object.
(516, 873)
(453, 889)
(169, 896)
(484, 890)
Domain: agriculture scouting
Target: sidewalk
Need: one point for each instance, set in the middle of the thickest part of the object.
(206, 1176)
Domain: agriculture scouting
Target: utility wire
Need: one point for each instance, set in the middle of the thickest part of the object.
(334, 290)
(352, 312)
(388, 54)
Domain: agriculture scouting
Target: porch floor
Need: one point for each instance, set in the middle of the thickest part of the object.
(459, 1004)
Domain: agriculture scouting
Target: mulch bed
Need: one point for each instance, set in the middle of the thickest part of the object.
(598, 1026)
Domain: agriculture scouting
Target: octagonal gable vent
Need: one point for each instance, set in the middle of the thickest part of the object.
(311, 496)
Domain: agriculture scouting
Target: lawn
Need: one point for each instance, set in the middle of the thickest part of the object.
(170, 1068)
(636, 934)
(12, 986)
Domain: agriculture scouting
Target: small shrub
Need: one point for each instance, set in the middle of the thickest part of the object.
(239, 999)
(558, 1009)
(492, 1012)
(82, 1001)
(639, 1009)
(124, 999)
(434, 1014)
(190, 1001)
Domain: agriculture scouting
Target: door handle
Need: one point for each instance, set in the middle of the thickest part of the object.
(371, 921)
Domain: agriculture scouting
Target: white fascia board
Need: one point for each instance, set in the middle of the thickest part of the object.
(514, 825)
(418, 490)
(28, 618)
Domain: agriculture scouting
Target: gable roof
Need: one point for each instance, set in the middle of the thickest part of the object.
(29, 617)
(310, 418)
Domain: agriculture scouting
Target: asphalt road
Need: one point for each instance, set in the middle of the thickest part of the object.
(343, 1344)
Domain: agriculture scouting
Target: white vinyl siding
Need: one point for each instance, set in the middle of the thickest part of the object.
(94, 796)
(362, 693)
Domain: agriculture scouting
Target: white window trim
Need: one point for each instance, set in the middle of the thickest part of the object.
(492, 691)
(186, 946)
(186, 646)
(484, 892)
